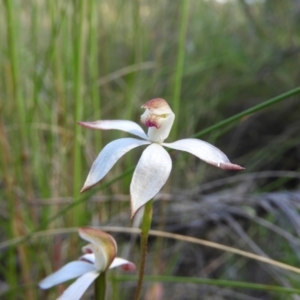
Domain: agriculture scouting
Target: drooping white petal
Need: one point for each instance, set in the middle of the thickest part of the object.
(124, 125)
(77, 289)
(69, 271)
(151, 173)
(204, 151)
(126, 265)
(106, 159)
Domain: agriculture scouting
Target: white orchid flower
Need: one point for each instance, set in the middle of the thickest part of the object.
(154, 166)
(99, 256)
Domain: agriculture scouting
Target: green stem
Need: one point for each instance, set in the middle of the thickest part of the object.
(145, 227)
(100, 287)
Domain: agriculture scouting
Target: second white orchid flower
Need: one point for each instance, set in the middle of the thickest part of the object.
(99, 256)
(154, 166)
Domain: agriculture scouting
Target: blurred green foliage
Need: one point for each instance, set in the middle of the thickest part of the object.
(65, 61)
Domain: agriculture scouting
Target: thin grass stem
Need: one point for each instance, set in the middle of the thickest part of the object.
(215, 282)
(180, 62)
(78, 78)
(169, 235)
(94, 65)
(249, 111)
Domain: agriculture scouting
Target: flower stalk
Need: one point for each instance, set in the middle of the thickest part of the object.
(145, 227)
(100, 287)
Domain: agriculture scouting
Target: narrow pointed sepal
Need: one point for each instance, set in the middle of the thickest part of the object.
(151, 173)
(229, 166)
(204, 151)
(125, 264)
(124, 125)
(106, 159)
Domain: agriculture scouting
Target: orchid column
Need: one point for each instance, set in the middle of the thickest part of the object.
(155, 164)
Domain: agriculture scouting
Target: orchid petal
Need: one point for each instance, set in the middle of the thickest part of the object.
(204, 151)
(126, 265)
(69, 271)
(124, 125)
(77, 289)
(106, 159)
(151, 173)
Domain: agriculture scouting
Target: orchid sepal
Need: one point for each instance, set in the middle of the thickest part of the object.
(123, 125)
(205, 152)
(107, 158)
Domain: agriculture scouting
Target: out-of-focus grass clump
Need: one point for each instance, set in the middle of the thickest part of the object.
(65, 61)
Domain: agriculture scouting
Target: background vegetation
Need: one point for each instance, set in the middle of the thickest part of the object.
(65, 61)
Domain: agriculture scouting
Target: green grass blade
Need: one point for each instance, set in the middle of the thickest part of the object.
(180, 62)
(215, 282)
(78, 114)
(249, 111)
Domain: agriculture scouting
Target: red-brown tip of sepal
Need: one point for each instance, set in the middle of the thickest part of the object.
(100, 124)
(129, 267)
(230, 166)
(132, 213)
(134, 210)
(85, 188)
(84, 124)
